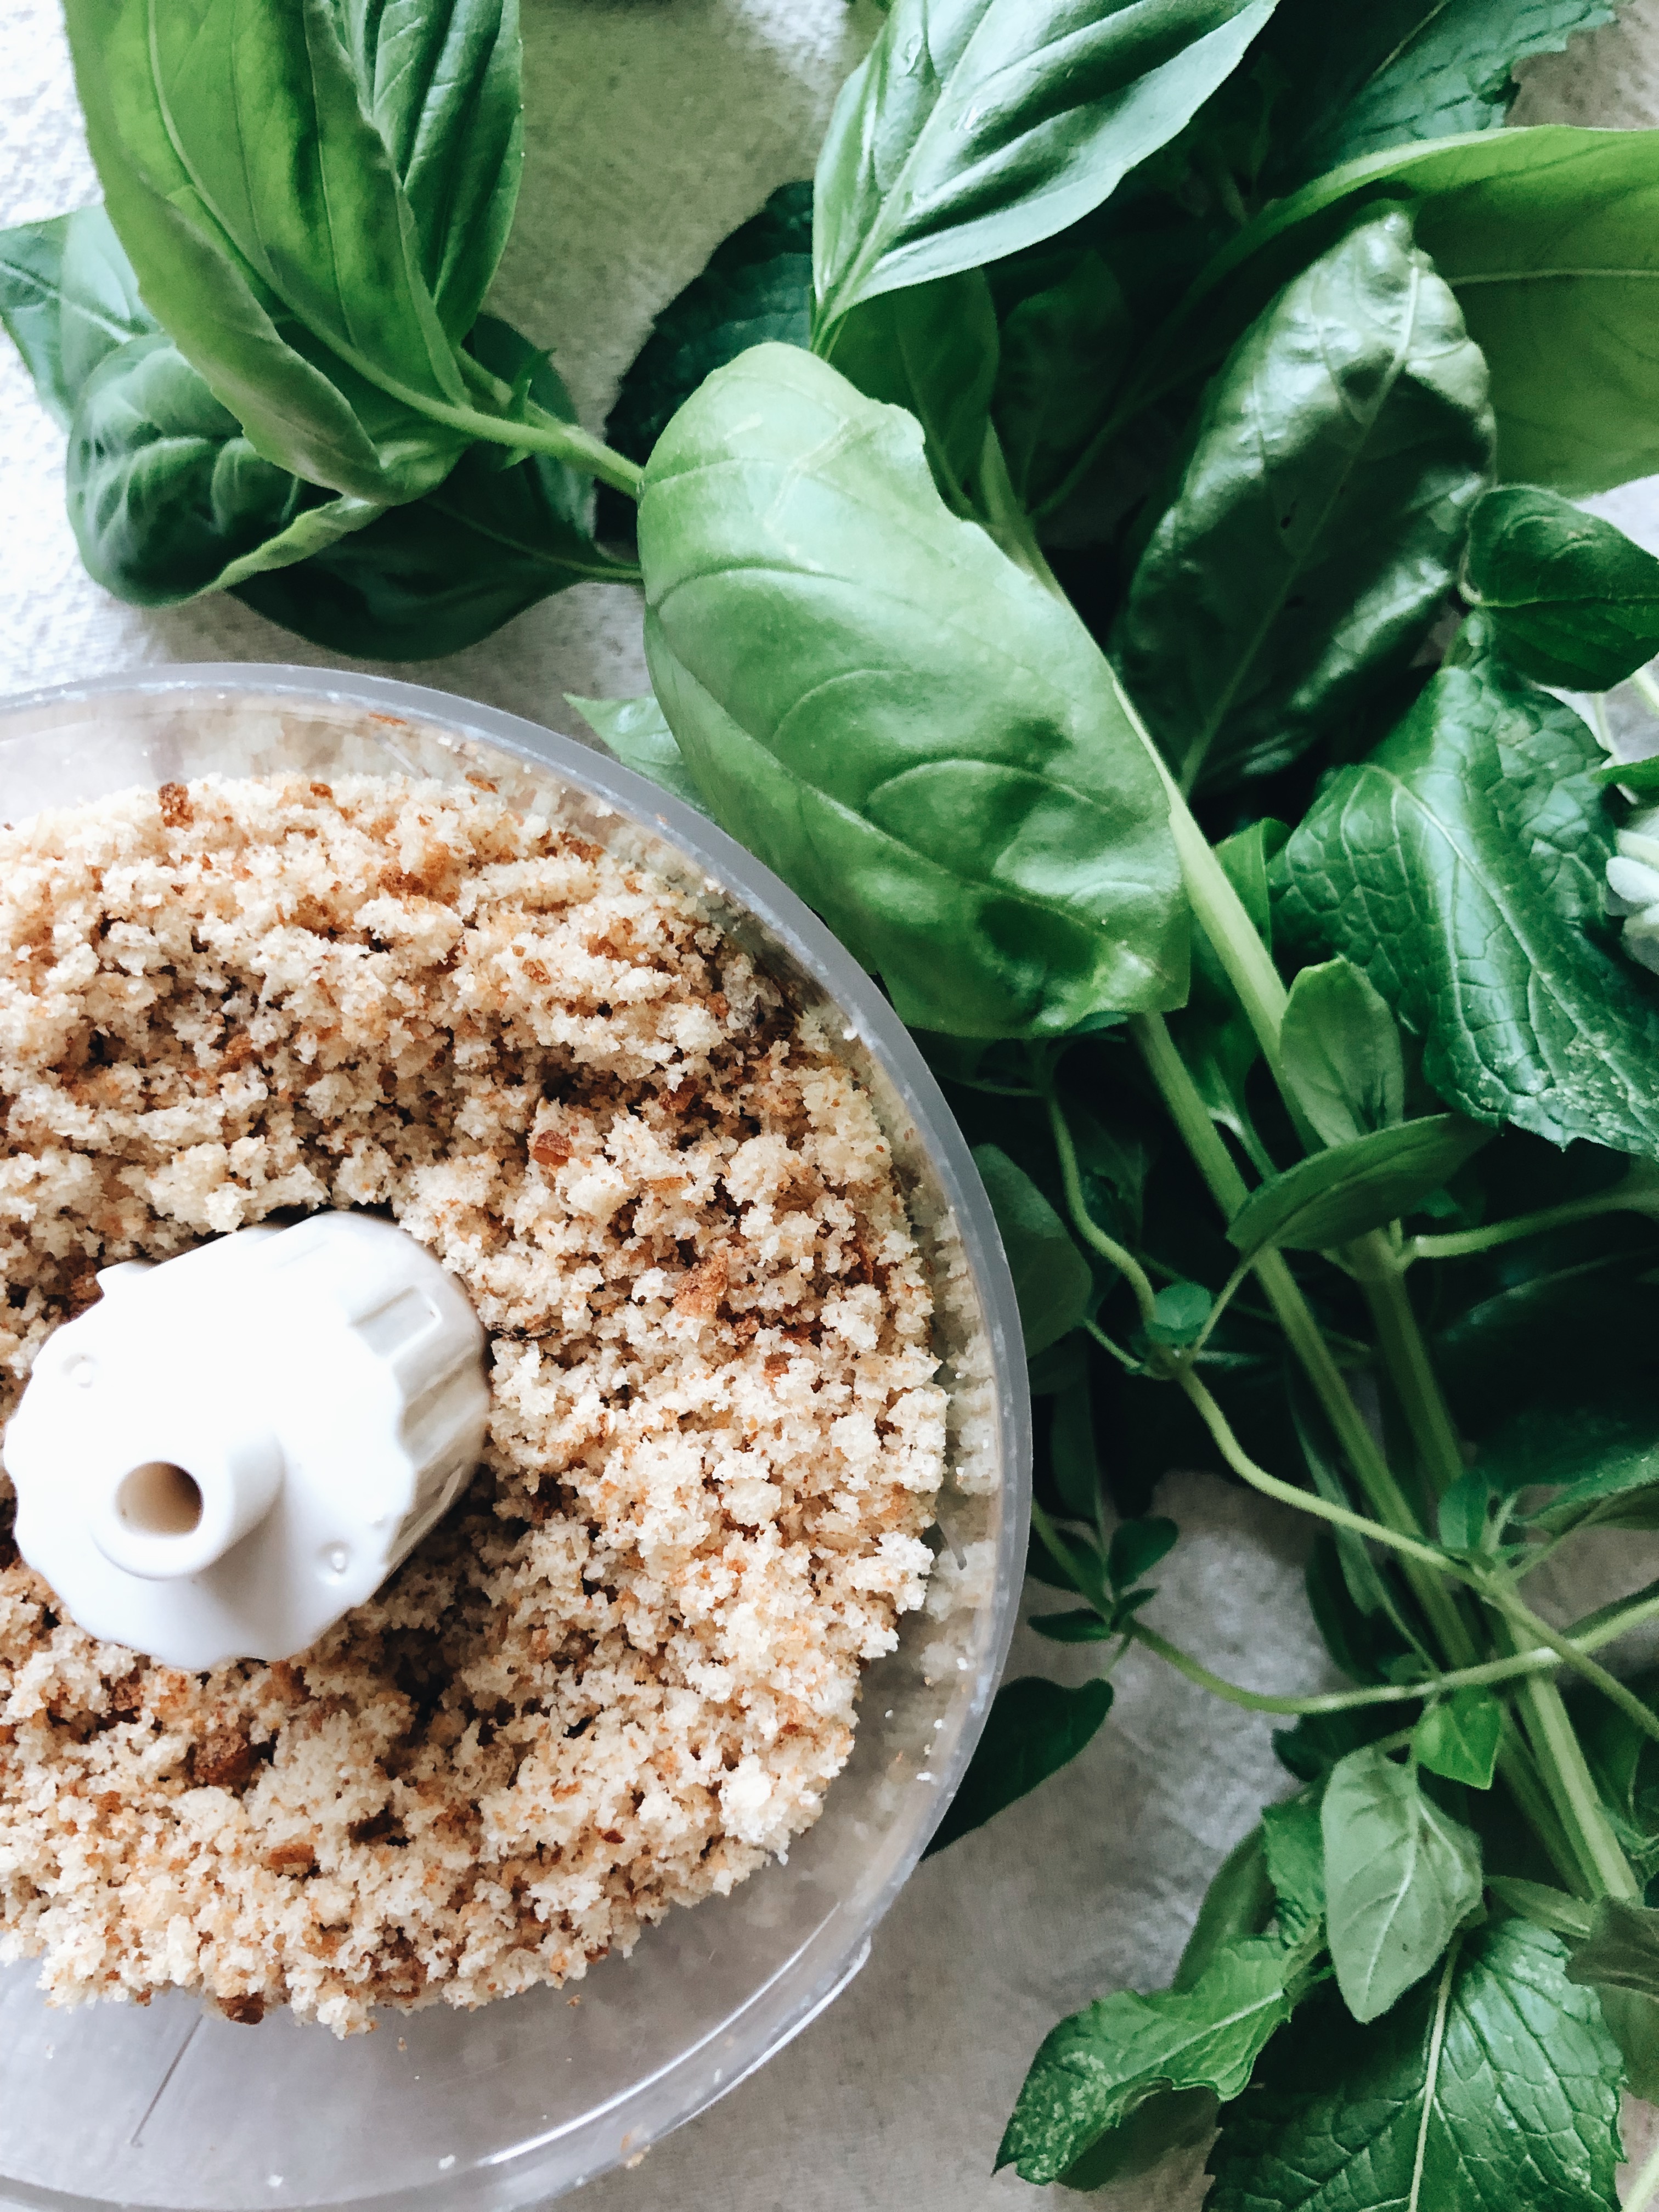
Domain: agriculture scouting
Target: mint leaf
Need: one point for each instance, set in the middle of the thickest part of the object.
(1096, 2068)
(1400, 1876)
(1461, 867)
(1035, 1728)
(1512, 2107)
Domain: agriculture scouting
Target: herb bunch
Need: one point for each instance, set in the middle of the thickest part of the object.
(1108, 543)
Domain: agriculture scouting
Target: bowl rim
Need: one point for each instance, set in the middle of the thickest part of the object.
(518, 2176)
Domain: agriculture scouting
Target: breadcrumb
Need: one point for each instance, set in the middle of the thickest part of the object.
(622, 1672)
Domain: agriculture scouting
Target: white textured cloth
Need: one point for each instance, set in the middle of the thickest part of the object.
(656, 126)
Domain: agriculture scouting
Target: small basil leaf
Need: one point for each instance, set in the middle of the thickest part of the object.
(1340, 1047)
(1342, 1193)
(67, 297)
(1568, 598)
(635, 732)
(1098, 2066)
(1295, 1847)
(932, 348)
(1461, 868)
(1239, 1901)
(1316, 530)
(905, 724)
(1080, 1627)
(1052, 1281)
(1136, 1548)
(1035, 1728)
(975, 127)
(1513, 2103)
(1622, 1950)
(1179, 1313)
(1400, 1877)
(756, 285)
(1458, 1737)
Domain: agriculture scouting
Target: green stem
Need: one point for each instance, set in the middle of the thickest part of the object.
(1006, 520)
(1341, 1701)
(1637, 1193)
(1406, 1356)
(1567, 1776)
(1571, 1655)
(1085, 1222)
(1609, 1622)
(566, 441)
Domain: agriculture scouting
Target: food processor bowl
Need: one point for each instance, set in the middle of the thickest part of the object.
(171, 2106)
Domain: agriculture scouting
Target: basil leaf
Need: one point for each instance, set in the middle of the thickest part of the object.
(1548, 240)
(756, 285)
(1295, 1847)
(1052, 1281)
(1335, 1196)
(167, 498)
(1513, 2102)
(975, 127)
(1034, 1729)
(67, 297)
(1239, 1901)
(902, 723)
(1555, 1909)
(1340, 1048)
(1097, 2067)
(931, 347)
(1458, 1738)
(1317, 528)
(635, 732)
(1137, 1547)
(1568, 598)
(1599, 1455)
(1622, 1950)
(1400, 1877)
(1402, 69)
(1461, 868)
(1072, 1459)
(1060, 352)
(1080, 1626)
(441, 572)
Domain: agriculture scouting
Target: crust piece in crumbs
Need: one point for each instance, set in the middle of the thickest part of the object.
(622, 1671)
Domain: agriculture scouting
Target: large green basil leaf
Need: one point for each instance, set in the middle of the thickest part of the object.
(1034, 1729)
(1318, 529)
(756, 285)
(284, 261)
(1096, 2068)
(1359, 80)
(1495, 2087)
(905, 724)
(167, 499)
(67, 297)
(441, 572)
(1399, 1875)
(975, 127)
(1461, 868)
(1335, 1195)
(1550, 240)
(1568, 598)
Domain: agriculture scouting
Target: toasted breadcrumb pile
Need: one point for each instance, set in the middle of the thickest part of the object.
(622, 1672)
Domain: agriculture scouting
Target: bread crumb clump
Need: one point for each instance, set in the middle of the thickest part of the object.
(622, 1671)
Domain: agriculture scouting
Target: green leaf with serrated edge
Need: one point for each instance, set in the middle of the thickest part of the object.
(1035, 1728)
(167, 498)
(906, 725)
(67, 297)
(931, 349)
(1239, 1901)
(1400, 1877)
(635, 732)
(1496, 2092)
(1137, 1547)
(1071, 1455)
(1461, 868)
(1340, 1048)
(756, 286)
(1359, 82)
(1549, 240)
(1080, 1628)
(1569, 599)
(975, 127)
(1621, 1950)
(1095, 2068)
(1318, 527)
(1459, 1736)
(1294, 1845)
(1341, 1193)
(1052, 1281)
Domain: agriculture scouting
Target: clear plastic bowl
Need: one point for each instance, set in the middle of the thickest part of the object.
(170, 2105)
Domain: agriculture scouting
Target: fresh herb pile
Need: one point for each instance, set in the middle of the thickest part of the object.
(1108, 544)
